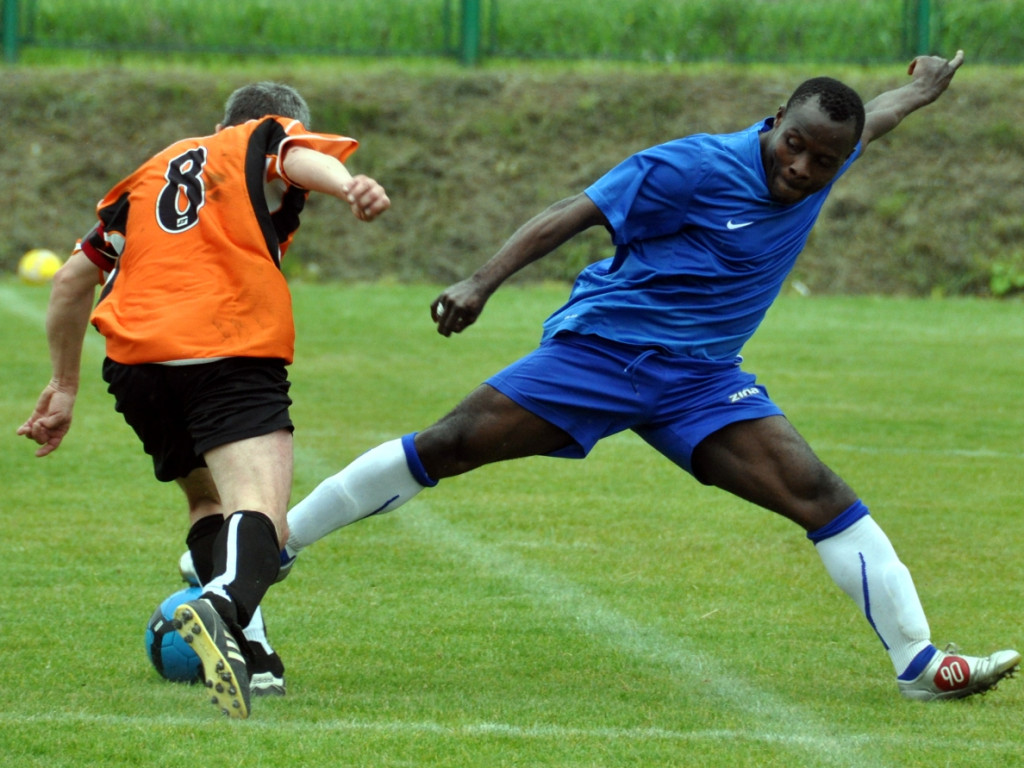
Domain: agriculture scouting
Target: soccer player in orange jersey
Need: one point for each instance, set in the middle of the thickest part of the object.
(199, 333)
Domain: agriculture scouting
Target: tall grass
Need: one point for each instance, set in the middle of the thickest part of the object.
(651, 30)
(298, 26)
(686, 30)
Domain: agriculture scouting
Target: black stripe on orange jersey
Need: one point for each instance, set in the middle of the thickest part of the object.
(263, 141)
(286, 218)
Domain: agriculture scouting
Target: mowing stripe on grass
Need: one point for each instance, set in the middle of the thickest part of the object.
(531, 732)
(14, 303)
(875, 450)
(977, 453)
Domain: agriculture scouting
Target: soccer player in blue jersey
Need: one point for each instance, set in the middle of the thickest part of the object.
(705, 230)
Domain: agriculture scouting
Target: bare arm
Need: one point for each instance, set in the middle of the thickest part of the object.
(931, 76)
(318, 172)
(67, 319)
(460, 304)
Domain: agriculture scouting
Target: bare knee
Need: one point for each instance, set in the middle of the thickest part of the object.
(484, 428)
(768, 463)
(446, 450)
(201, 494)
(821, 500)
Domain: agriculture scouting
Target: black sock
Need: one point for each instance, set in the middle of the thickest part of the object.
(200, 541)
(248, 541)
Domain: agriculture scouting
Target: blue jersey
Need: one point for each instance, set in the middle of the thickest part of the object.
(701, 248)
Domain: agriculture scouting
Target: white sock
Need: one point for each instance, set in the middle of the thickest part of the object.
(256, 631)
(376, 482)
(862, 561)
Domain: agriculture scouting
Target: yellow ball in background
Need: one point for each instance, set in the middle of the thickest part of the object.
(38, 266)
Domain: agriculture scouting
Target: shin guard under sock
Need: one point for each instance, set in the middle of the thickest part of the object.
(861, 560)
(380, 480)
(246, 561)
(200, 540)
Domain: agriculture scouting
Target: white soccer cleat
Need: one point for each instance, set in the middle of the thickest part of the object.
(266, 671)
(266, 684)
(951, 676)
(188, 570)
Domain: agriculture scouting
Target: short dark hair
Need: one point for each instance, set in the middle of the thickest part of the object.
(838, 100)
(251, 102)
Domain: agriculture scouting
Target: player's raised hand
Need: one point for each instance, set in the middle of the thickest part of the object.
(935, 72)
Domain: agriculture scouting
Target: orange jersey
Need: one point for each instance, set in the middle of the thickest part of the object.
(193, 241)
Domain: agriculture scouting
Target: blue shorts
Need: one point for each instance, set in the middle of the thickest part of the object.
(592, 388)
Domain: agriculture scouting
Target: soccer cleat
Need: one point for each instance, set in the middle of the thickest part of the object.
(287, 561)
(951, 676)
(266, 672)
(266, 684)
(187, 568)
(224, 668)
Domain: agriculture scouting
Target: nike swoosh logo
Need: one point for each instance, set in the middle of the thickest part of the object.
(730, 224)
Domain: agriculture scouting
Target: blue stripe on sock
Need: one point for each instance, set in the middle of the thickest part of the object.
(413, 460)
(916, 667)
(867, 597)
(844, 520)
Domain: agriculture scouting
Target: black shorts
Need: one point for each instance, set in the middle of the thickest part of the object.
(182, 411)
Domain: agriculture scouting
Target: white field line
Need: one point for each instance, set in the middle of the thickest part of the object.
(13, 303)
(691, 666)
(485, 729)
(964, 453)
(886, 450)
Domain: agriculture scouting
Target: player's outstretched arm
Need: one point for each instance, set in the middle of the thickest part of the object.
(318, 172)
(67, 319)
(460, 305)
(931, 76)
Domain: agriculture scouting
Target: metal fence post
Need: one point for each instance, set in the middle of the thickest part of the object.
(10, 31)
(924, 27)
(469, 46)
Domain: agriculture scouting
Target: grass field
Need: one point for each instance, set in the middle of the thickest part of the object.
(610, 612)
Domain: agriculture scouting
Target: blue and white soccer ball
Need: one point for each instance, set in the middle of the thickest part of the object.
(171, 656)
